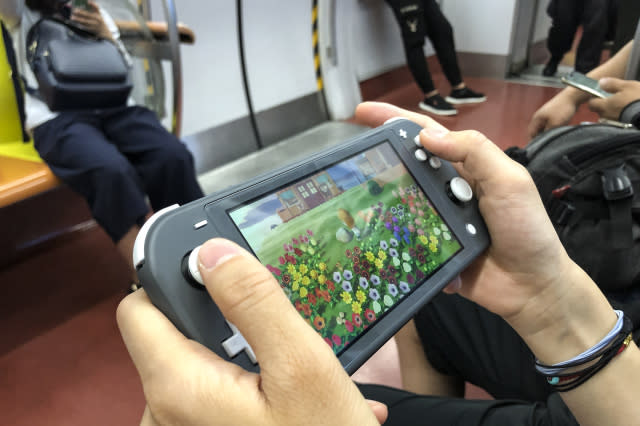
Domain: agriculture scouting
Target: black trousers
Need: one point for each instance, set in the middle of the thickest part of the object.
(567, 16)
(419, 19)
(464, 340)
(115, 159)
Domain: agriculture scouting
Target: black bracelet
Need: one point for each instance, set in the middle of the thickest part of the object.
(564, 382)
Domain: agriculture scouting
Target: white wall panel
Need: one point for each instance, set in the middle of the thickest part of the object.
(213, 89)
(278, 51)
(481, 26)
(377, 44)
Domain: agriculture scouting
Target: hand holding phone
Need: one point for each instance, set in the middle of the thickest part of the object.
(584, 83)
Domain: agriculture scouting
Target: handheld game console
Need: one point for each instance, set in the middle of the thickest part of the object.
(359, 237)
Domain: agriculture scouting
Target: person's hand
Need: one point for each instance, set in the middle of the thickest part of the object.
(91, 20)
(300, 381)
(624, 92)
(526, 273)
(558, 111)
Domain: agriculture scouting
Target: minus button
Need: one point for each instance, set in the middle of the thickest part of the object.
(200, 224)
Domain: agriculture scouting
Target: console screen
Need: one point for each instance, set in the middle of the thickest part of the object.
(349, 242)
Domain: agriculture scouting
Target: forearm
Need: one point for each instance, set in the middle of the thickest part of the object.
(577, 316)
(569, 317)
(11, 12)
(615, 66)
(611, 396)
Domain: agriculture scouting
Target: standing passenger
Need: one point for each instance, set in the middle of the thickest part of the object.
(420, 18)
(567, 16)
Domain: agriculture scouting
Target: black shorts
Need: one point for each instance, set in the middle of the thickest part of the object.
(464, 340)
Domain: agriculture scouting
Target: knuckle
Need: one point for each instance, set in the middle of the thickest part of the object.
(476, 140)
(307, 367)
(476, 137)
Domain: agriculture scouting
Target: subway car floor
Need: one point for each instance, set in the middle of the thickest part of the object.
(62, 361)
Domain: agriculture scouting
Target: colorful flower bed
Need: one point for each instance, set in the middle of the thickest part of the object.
(405, 242)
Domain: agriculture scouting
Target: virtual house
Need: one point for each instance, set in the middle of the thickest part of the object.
(321, 187)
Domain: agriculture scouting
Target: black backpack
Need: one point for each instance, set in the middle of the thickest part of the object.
(589, 179)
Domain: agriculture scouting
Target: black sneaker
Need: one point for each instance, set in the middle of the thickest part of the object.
(436, 105)
(465, 96)
(551, 68)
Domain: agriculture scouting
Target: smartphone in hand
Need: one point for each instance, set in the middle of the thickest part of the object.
(80, 4)
(584, 83)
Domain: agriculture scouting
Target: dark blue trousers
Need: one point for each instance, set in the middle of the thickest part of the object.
(115, 159)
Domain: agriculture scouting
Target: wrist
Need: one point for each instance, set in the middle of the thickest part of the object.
(575, 96)
(631, 113)
(569, 317)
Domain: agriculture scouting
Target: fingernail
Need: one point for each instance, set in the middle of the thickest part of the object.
(435, 132)
(214, 253)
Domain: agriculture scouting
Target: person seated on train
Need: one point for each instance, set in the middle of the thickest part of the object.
(114, 158)
(525, 279)
(562, 107)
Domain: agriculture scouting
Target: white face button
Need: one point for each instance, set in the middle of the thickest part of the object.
(435, 163)
(193, 265)
(471, 229)
(420, 155)
(416, 140)
(460, 189)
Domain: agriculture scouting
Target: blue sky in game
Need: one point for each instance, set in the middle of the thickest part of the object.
(258, 219)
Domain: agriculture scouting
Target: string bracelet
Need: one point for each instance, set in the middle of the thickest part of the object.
(579, 369)
(586, 356)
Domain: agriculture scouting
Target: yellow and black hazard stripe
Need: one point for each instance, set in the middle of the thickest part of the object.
(316, 47)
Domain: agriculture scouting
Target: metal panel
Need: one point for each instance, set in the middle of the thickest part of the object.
(290, 118)
(286, 152)
(483, 65)
(523, 29)
(221, 144)
(230, 141)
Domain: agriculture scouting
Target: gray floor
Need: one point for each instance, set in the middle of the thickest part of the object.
(275, 156)
(533, 75)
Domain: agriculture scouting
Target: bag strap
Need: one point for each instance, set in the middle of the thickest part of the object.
(17, 80)
(618, 191)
